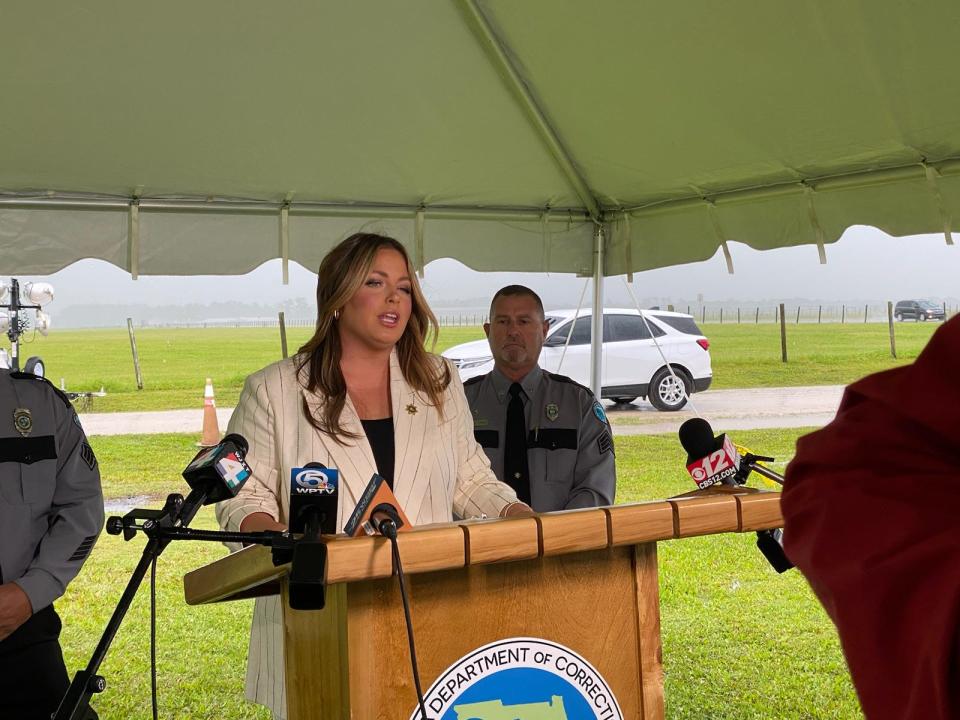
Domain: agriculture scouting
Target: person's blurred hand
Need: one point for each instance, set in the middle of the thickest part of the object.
(260, 521)
(517, 509)
(15, 608)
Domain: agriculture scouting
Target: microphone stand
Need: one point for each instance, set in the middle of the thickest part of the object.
(161, 527)
(752, 462)
(770, 541)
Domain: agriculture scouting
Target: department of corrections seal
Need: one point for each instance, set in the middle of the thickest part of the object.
(522, 678)
(552, 411)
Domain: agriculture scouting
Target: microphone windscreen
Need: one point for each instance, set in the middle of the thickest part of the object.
(239, 440)
(314, 490)
(696, 437)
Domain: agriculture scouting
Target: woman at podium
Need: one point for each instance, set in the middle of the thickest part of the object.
(362, 396)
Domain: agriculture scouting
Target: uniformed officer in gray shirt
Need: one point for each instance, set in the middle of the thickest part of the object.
(545, 435)
(51, 513)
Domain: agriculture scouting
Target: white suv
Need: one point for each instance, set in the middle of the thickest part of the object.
(632, 365)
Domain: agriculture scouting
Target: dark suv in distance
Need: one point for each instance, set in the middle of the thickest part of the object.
(918, 310)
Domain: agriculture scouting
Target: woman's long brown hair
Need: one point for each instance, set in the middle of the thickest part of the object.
(342, 272)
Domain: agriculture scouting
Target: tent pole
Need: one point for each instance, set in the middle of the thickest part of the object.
(596, 330)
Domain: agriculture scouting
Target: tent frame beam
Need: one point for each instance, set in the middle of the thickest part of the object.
(499, 54)
(359, 209)
(596, 327)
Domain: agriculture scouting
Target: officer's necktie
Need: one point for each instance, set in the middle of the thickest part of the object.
(515, 471)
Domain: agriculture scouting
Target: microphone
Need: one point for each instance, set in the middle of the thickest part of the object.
(377, 512)
(314, 497)
(715, 460)
(710, 460)
(213, 475)
(314, 500)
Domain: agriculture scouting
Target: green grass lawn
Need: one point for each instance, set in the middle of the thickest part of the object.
(175, 361)
(739, 641)
(749, 355)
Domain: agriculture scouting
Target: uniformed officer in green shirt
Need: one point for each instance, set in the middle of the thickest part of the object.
(545, 435)
(51, 513)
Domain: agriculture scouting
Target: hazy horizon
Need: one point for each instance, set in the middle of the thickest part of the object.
(865, 265)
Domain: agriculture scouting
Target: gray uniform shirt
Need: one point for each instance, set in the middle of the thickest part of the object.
(569, 442)
(51, 502)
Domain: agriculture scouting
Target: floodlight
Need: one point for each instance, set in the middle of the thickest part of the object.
(4, 291)
(43, 323)
(39, 293)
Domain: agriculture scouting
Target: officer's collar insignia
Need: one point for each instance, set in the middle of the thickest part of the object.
(23, 421)
(552, 411)
(411, 409)
(598, 411)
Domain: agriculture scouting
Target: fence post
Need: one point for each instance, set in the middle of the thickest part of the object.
(136, 357)
(670, 308)
(843, 313)
(819, 314)
(798, 315)
(757, 320)
(283, 335)
(738, 314)
(865, 307)
(893, 342)
(783, 334)
(703, 314)
(721, 314)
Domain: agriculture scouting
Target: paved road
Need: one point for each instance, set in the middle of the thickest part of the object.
(725, 409)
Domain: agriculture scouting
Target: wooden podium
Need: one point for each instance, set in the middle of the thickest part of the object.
(584, 579)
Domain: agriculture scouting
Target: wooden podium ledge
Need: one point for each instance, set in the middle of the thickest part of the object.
(251, 572)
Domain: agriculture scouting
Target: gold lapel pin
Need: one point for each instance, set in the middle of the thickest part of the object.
(411, 409)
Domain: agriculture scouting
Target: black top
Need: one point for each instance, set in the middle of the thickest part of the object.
(380, 435)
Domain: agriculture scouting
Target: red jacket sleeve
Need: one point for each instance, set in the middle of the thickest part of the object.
(872, 512)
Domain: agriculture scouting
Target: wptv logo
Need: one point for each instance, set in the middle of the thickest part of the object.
(314, 481)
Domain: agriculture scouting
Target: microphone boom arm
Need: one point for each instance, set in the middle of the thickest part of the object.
(753, 462)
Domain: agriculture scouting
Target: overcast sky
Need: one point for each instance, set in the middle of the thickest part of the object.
(865, 264)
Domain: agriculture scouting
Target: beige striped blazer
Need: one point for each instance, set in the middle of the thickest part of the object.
(439, 469)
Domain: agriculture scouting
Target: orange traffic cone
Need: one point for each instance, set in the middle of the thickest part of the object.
(211, 431)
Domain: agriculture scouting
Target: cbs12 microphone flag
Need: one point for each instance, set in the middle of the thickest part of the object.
(719, 467)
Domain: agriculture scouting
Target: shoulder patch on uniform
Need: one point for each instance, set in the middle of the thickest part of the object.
(601, 415)
(569, 381)
(83, 549)
(604, 443)
(18, 375)
(474, 380)
(86, 454)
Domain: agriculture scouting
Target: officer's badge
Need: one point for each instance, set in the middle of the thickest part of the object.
(23, 421)
(552, 411)
(598, 411)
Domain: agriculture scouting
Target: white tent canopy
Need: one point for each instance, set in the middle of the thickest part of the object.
(182, 138)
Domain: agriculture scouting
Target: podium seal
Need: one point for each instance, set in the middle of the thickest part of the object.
(521, 679)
